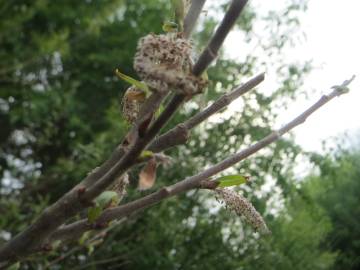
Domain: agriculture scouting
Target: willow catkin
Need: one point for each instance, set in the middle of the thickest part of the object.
(242, 207)
(163, 62)
(120, 184)
(131, 103)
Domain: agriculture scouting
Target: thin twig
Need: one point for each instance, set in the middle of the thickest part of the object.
(211, 51)
(87, 242)
(194, 182)
(192, 16)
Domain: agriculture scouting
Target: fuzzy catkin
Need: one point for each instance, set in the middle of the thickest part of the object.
(163, 62)
(242, 207)
(120, 185)
(131, 103)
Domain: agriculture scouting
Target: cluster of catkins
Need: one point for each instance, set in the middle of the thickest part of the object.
(242, 207)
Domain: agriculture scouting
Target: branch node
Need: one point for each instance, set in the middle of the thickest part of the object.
(208, 184)
(326, 97)
(183, 132)
(227, 99)
(165, 191)
(212, 53)
(277, 134)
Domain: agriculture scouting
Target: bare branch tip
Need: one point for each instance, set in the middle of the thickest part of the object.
(343, 88)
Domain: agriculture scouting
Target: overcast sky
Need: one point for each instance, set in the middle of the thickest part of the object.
(333, 42)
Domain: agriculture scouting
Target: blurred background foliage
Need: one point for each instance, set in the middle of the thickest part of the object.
(59, 118)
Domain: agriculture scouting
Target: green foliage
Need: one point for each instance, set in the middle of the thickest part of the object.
(336, 190)
(59, 118)
(297, 241)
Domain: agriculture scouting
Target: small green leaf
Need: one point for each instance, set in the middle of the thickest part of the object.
(170, 27)
(94, 213)
(106, 198)
(132, 81)
(231, 180)
(146, 154)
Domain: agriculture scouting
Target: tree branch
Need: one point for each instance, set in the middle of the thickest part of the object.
(192, 16)
(180, 133)
(195, 181)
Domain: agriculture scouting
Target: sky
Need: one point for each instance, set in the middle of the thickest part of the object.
(331, 40)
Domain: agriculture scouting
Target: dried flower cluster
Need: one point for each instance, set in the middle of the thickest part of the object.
(131, 103)
(242, 207)
(163, 62)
